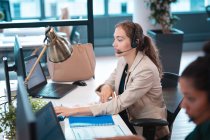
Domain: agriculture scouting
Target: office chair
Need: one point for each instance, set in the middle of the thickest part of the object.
(75, 36)
(208, 10)
(173, 98)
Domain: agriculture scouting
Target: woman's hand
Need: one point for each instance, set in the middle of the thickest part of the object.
(64, 111)
(106, 93)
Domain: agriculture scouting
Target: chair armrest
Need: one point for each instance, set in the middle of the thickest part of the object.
(148, 122)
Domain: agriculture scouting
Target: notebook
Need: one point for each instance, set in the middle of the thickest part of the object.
(37, 85)
(82, 121)
(48, 127)
(90, 127)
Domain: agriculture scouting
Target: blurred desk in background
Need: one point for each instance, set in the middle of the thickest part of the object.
(29, 43)
(30, 39)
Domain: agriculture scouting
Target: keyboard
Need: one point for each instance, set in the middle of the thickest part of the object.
(53, 90)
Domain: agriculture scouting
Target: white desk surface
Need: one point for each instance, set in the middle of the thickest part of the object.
(81, 96)
(29, 37)
(7, 42)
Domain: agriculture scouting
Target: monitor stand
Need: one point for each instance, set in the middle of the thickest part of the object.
(7, 69)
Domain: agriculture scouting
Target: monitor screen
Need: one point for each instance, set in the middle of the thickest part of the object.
(47, 124)
(5, 9)
(25, 118)
(19, 58)
(42, 125)
(37, 78)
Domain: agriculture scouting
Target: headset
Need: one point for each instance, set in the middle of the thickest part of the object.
(208, 78)
(134, 43)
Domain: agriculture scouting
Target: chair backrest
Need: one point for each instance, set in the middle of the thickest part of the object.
(173, 99)
(172, 96)
(75, 35)
(208, 10)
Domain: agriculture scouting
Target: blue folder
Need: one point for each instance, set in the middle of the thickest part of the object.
(82, 121)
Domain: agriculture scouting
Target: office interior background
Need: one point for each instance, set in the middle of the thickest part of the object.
(193, 22)
(108, 12)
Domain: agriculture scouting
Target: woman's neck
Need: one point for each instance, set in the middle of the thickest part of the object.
(130, 58)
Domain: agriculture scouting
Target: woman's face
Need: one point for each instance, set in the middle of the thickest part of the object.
(195, 101)
(121, 43)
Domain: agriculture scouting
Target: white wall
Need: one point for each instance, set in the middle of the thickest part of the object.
(141, 15)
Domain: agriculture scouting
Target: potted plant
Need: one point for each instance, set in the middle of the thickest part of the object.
(8, 117)
(168, 39)
(1, 14)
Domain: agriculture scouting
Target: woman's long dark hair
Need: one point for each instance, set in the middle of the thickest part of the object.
(199, 71)
(144, 43)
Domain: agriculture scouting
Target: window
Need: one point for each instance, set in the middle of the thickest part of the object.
(190, 5)
(100, 7)
(120, 6)
(75, 7)
(23, 8)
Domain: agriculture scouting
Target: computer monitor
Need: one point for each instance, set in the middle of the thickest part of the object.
(19, 58)
(42, 125)
(25, 118)
(19, 66)
(48, 127)
(5, 8)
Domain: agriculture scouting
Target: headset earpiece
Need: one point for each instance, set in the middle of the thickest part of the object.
(209, 81)
(134, 40)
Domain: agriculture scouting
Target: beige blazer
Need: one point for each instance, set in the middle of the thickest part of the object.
(142, 96)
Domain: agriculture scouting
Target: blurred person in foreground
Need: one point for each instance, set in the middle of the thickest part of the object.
(195, 85)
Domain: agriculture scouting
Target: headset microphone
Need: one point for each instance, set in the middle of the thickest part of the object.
(120, 52)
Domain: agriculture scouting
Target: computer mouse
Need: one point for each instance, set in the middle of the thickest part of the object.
(79, 83)
(61, 118)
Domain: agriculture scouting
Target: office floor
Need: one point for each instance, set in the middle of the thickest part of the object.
(181, 128)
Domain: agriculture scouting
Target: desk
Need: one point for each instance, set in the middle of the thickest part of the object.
(30, 42)
(82, 96)
(29, 37)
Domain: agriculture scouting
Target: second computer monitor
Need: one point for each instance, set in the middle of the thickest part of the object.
(19, 58)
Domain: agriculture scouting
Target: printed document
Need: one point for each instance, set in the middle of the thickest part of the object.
(92, 132)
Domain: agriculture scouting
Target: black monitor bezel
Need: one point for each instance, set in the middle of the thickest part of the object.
(19, 58)
(18, 67)
(25, 118)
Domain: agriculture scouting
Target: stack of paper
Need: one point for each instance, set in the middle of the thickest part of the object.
(89, 127)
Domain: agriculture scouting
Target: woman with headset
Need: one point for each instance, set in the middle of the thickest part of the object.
(195, 85)
(134, 85)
